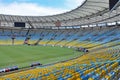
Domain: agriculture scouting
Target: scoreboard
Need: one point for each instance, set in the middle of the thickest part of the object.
(19, 24)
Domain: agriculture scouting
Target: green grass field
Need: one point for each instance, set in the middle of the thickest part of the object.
(25, 55)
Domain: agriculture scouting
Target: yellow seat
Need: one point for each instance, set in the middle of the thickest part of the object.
(78, 79)
(90, 79)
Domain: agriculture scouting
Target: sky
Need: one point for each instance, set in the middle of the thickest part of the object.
(37, 7)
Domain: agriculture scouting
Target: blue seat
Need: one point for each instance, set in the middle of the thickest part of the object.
(61, 78)
(96, 77)
(85, 77)
(33, 79)
(8, 79)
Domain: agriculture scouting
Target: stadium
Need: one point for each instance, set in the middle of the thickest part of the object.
(80, 44)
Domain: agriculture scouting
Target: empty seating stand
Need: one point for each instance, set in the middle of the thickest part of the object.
(101, 63)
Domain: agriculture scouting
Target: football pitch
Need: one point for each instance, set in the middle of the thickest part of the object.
(23, 56)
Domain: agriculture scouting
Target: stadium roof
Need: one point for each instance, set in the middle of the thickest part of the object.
(91, 12)
(88, 8)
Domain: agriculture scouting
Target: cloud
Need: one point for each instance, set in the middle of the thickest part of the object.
(72, 4)
(28, 9)
(33, 9)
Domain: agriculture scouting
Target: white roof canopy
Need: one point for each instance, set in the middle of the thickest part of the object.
(90, 12)
(89, 7)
